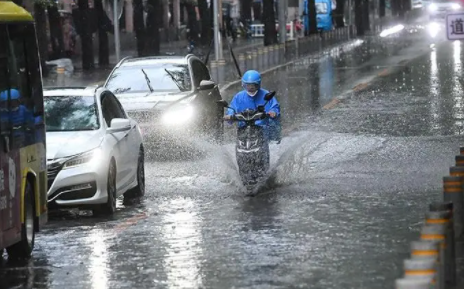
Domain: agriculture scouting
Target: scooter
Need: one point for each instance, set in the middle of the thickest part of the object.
(252, 148)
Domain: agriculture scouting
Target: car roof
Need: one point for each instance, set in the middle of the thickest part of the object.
(152, 60)
(70, 91)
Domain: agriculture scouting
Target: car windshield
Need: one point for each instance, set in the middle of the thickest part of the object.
(158, 77)
(321, 8)
(71, 113)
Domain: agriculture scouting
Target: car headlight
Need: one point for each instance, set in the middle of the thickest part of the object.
(91, 157)
(178, 116)
(455, 6)
(433, 7)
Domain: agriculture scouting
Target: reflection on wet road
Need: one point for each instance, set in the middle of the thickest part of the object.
(346, 193)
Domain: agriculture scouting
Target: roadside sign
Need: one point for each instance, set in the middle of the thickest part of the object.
(455, 26)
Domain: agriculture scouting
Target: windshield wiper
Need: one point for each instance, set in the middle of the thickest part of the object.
(181, 88)
(148, 81)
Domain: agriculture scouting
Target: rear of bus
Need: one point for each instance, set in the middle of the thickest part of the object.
(23, 179)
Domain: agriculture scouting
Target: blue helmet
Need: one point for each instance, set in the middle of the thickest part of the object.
(251, 77)
(14, 95)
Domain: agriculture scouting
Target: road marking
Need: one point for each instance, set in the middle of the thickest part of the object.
(331, 104)
(131, 221)
(360, 86)
(384, 72)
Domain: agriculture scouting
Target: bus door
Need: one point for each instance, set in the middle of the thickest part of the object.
(10, 176)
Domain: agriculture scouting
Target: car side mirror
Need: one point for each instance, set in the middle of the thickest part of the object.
(119, 125)
(206, 85)
(269, 95)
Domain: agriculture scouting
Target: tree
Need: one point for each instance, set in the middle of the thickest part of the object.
(86, 23)
(358, 11)
(41, 29)
(338, 13)
(365, 15)
(139, 26)
(104, 26)
(192, 19)
(312, 16)
(153, 8)
(205, 21)
(245, 8)
(270, 32)
(56, 32)
(382, 8)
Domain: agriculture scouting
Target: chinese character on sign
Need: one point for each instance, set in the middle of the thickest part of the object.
(457, 26)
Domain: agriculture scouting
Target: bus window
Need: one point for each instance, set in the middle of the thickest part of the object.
(21, 104)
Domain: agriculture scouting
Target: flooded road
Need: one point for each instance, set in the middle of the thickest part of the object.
(369, 133)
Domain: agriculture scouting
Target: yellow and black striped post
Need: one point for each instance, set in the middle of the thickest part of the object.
(452, 192)
(444, 218)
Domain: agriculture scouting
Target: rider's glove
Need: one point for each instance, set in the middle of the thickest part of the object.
(272, 114)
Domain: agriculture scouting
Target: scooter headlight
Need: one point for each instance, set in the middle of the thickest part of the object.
(433, 7)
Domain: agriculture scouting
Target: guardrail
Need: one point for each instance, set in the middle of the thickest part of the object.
(257, 30)
(265, 57)
(432, 263)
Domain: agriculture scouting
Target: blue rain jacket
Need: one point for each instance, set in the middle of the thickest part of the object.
(242, 101)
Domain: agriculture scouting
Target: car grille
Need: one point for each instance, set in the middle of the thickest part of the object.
(144, 116)
(52, 171)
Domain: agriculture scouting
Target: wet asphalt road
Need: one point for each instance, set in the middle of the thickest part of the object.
(347, 191)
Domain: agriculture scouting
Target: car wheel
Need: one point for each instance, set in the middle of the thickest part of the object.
(23, 249)
(139, 190)
(110, 206)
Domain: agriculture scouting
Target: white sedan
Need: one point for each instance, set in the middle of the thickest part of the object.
(94, 151)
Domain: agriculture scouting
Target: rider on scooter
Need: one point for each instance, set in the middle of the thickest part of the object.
(251, 97)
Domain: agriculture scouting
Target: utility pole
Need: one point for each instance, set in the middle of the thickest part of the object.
(117, 42)
(282, 4)
(217, 33)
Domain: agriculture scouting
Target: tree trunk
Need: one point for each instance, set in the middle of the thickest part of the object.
(205, 22)
(40, 24)
(104, 26)
(358, 11)
(339, 13)
(154, 22)
(56, 33)
(312, 16)
(192, 21)
(139, 26)
(270, 32)
(382, 8)
(245, 10)
(366, 22)
(86, 35)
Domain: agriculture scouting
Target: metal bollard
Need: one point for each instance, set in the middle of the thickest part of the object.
(461, 151)
(242, 63)
(276, 54)
(265, 58)
(412, 284)
(282, 53)
(213, 67)
(255, 60)
(444, 218)
(459, 160)
(248, 61)
(221, 70)
(437, 233)
(260, 59)
(420, 269)
(271, 56)
(428, 250)
(453, 192)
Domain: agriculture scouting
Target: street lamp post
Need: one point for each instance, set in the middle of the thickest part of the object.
(217, 35)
